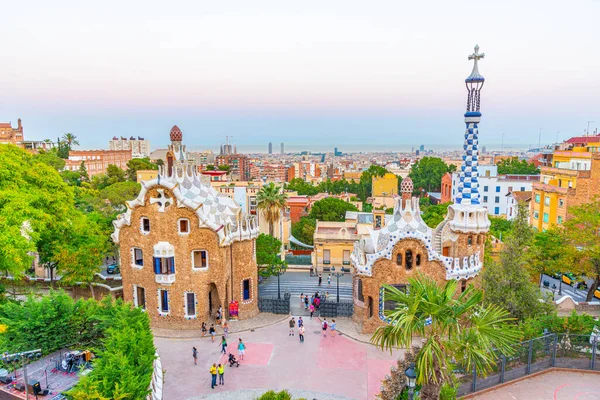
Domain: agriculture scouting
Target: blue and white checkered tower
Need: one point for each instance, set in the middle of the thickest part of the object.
(468, 187)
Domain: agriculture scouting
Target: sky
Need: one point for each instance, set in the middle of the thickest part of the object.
(357, 75)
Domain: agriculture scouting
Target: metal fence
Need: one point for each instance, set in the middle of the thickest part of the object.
(275, 305)
(539, 354)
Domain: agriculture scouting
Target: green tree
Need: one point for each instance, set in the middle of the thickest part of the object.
(582, 234)
(512, 166)
(302, 187)
(500, 227)
(547, 253)
(427, 173)
(304, 230)
(366, 180)
(435, 214)
(226, 168)
(331, 209)
(454, 329)
(117, 194)
(138, 164)
(507, 283)
(50, 158)
(83, 172)
(113, 175)
(70, 140)
(268, 260)
(271, 201)
(210, 167)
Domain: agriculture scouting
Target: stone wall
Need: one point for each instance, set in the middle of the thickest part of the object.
(388, 272)
(215, 279)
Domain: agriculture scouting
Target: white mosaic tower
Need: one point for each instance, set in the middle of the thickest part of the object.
(467, 214)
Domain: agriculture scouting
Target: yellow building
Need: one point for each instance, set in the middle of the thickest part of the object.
(385, 186)
(573, 179)
(146, 175)
(352, 176)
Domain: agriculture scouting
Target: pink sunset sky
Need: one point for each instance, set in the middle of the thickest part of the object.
(327, 71)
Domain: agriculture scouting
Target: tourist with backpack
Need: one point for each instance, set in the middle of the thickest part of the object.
(324, 327)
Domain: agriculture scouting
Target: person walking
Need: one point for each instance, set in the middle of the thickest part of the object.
(300, 322)
(301, 333)
(306, 302)
(329, 280)
(301, 299)
(223, 345)
(226, 329)
(312, 310)
(203, 329)
(332, 328)
(195, 355)
(292, 326)
(212, 332)
(221, 372)
(324, 327)
(320, 279)
(213, 375)
(241, 349)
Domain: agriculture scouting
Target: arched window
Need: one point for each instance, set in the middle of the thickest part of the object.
(470, 240)
(399, 259)
(418, 259)
(408, 259)
(478, 239)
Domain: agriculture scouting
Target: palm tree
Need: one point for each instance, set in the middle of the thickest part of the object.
(271, 200)
(454, 331)
(70, 139)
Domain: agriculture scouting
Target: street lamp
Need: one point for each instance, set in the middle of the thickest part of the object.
(553, 290)
(411, 380)
(337, 275)
(560, 285)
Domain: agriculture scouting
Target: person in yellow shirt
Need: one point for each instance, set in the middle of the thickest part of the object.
(221, 371)
(213, 374)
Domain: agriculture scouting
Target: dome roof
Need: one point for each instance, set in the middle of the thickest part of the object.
(407, 185)
(176, 135)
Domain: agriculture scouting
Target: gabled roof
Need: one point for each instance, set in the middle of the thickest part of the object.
(521, 196)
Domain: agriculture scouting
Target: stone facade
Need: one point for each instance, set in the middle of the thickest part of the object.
(11, 135)
(185, 251)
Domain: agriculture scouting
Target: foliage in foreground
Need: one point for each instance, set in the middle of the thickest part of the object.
(458, 328)
(268, 259)
(123, 369)
(577, 324)
(273, 395)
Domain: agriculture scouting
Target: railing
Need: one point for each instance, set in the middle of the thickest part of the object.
(165, 279)
(535, 355)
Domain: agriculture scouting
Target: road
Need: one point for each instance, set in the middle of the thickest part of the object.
(297, 282)
(576, 294)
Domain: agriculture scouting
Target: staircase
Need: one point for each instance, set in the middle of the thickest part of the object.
(437, 237)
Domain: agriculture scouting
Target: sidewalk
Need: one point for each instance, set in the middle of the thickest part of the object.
(260, 321)
(251, 394)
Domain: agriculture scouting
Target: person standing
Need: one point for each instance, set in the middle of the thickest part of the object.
(320, 279)
(301, 333)
(292, 326)
(223, 345)
(221, 372)
(301, 299)
(195, 355)
(306, 302)
(312, 310)
(324, 327)
(300, 322)
(226, 329)
(212, 332)
(213, 375)
(329, 280)
(203, 329)
(332, 328)
(241, 349)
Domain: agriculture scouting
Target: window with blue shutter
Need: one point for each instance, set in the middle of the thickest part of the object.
(156, 265)
(164, 301)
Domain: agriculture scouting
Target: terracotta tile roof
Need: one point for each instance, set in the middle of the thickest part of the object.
(522, 196)
(584, 139)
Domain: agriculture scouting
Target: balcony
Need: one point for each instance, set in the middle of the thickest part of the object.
(165, 279)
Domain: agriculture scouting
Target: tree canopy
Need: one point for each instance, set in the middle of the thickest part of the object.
(514, 166)
(433, 215)
(304, 230)
(268, 260)
(427, 173)
(331, 209)
(271, 201)
(138, 164)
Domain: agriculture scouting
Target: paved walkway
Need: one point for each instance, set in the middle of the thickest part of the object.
(557, 385)
(252, 394)
(328, 366)
(260, 321)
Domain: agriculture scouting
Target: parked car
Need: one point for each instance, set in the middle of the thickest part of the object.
(569, 278)
(113, 269)
(597, 293)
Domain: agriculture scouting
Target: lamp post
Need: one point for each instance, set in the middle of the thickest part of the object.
(411, 380)
(560, 285)
(553, 290)
(337, 275)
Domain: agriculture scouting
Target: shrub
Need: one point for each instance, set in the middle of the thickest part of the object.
(574, 324)
(273, 395)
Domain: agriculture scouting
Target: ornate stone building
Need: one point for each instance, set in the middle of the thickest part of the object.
(406, 246)
(185, 250)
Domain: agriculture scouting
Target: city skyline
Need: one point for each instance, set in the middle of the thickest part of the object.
(358, 73)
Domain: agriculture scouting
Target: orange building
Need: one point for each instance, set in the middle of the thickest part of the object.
(11, 135)
(446, 188)
(298, 206)
(97, 161)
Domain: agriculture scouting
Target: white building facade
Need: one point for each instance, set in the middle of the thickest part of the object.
(140, 147)
(494, 188)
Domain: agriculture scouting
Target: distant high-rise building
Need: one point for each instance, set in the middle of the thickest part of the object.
(336, 153)
(227, 148)
(282, 152)
(422, 148)
(270, 148)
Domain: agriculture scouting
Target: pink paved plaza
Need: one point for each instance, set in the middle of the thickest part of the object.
(332, 365)
(552, 385)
